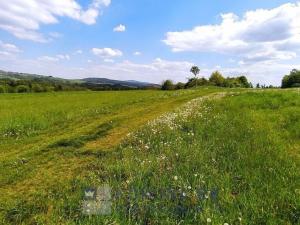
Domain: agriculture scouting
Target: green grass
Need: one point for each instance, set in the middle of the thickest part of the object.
(231, 159)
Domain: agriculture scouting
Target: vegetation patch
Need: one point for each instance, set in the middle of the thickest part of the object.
(227, 157)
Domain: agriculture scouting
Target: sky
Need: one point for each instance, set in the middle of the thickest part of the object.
(151, 40)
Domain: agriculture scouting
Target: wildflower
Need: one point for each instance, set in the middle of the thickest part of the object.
(240, 219)
(175, 178)
(183, 194)
(189, 187)
(226, 224)
(208, 220)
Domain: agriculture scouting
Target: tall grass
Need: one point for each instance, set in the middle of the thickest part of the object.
(230, 159)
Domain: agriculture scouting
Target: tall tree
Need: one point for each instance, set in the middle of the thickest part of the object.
(195, 70)
(217, 79)
(291, 80)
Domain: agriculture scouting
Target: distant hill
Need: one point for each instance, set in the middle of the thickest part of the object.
(10, 81)
(128, 83)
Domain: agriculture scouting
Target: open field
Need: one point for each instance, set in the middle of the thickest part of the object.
(219, 155)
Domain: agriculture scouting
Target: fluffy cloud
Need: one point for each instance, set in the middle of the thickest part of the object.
(78, 52)
(260, 35)
(54, 58)
(107, 52)
(120, 28)
(137, 53)
(24, 18)
(109, 60)
(155, 71)
(8, 51)
(9, 47)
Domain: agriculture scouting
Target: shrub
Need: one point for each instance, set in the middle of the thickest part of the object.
(179, 85)
(217, 79)
(2, 89)
(37, 88)
(193, 82)
(22, 89)
(168, 85)
(291, 80)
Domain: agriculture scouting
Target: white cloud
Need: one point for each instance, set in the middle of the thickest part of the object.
(55, 34)
(109, 60)
(24, 18)
(155, 71)
(54, 58)
(137, 53)
(48, 59)
(120, 28)
(9, 47)
(79, 52)
(63, 57)
(260, 35)
(107, 52)
(8, 51)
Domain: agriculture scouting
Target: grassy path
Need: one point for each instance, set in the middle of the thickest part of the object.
(57, 155)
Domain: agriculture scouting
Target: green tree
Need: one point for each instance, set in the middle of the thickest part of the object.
(168, 85)
(179, 85)
(192, 82)
(37, 88)
(291, 80)
(285, 81)
(217, 79)
(2, 89)
(243, 80)
(22, 89)
(195, 70)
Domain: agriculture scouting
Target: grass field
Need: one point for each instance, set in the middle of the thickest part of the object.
(192, 157)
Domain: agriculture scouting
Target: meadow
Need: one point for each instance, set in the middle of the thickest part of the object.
(199, 156)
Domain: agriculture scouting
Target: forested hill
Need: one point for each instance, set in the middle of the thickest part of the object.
(22, 82)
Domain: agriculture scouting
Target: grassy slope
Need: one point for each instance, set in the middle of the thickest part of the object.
(47, 139)
(234, 160)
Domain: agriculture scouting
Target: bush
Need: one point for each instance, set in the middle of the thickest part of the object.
(168, 85)
(2, 89)
(291, 80)
(196, 82)
(22, 89)
(217, 79)
(37, 88)
(179, 85)
(244, 82)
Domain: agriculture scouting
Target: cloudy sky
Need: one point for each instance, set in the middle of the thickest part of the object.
(150, 40)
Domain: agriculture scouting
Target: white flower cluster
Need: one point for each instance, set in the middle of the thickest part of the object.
(192, 108)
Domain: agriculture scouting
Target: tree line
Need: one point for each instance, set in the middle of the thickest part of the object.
(48, 84)
(216, 79)
(36, 85)
(24, 83)
(291, 80)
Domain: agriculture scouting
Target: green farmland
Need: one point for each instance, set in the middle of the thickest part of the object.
(199, 156)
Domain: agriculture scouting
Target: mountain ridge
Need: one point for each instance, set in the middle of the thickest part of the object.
(94, 83)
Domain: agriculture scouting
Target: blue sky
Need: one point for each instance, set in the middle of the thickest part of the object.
(150, 40)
